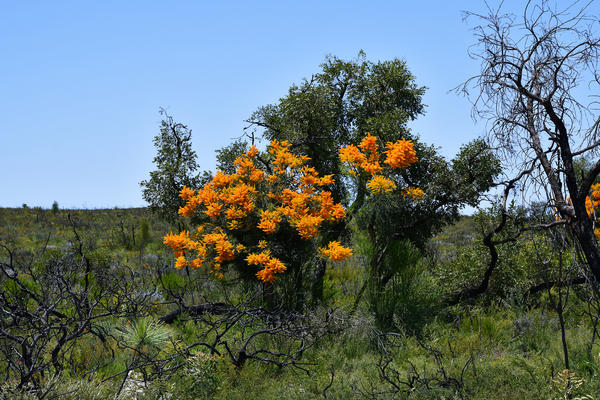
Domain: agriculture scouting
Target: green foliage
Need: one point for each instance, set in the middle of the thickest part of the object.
(200, 377)
(474, 169)
(144, 233)
(227, 155)
(58, 387)
(339, 106)
(518, 267)
(55, 207)
(176, 167)
(533, 331)
(145, 334)
(402, 296)
(495, 349)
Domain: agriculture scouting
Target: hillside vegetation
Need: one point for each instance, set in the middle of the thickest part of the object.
(505, 346)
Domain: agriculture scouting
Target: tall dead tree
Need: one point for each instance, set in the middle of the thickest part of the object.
(538, 89)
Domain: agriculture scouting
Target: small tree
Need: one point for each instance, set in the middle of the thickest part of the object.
(176, 167)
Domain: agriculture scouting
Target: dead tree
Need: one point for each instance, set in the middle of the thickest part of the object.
(51, 303)
(537, 85)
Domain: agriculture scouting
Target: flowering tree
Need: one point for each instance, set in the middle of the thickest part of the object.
(270, 211)
(336, 108)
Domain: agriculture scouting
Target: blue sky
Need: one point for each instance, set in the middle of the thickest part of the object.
(82, 82)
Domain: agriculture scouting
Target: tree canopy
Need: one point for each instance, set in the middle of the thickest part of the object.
(176, 167)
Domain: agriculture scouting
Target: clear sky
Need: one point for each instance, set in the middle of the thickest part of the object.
(81, 82)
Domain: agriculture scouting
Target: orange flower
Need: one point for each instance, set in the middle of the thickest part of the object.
(234, 212)
(190, 206)
(338, 212)
(213, 210)
(186, 193)
(234, 225)
(221, 180)
(400, 154)
(326, 180)
(351, 155)
(284, 158)
(230, 201)
(414, 192)
(207, 194)
(271, 265)
(369, 144)
(380, 184)
(225, 251)
(309, 179)
(308, 226)
(214, 237)
(177, 242)
(371, 167)
(256, 176)
(269, 221)
(336, 252)
(258, 258)
(244, 165)
(181, 262)
(252, 152)
(327, 205)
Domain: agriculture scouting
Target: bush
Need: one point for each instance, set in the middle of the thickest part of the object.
(403, 295)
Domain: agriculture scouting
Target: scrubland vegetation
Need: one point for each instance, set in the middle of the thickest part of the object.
(327, 256)
(404, 343)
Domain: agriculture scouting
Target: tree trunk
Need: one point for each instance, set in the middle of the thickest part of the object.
(317, 287)
(584, 232)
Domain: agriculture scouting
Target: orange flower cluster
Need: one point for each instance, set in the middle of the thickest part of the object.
(269, 220)
(380, 184)
(592, 205)
(283, 157)
(271, 265)
(298, 195)
(414, 192)
(201, 246)
(293, 193)
(400, 154)
(336, 252)
(365, 157)
(592, 202)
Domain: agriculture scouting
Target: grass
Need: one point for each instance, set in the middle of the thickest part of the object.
(486, 350)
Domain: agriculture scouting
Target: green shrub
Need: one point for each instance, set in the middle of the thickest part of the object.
(403, 295)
